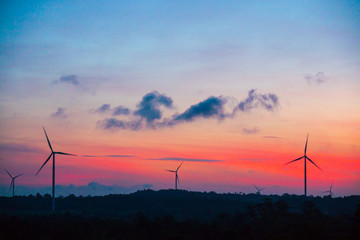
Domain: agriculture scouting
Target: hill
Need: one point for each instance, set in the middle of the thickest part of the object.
(169, 214)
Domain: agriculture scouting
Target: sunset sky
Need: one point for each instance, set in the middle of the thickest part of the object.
(232, 88)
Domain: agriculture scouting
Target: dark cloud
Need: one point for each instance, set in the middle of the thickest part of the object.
(118, 156)
(69, 79)
(149, 107)
(186, 159)
(249, 131)
(317, 78)
(113, 123)
(106, 108)
(271, 137)
(150, 114)
(251, 159)
(120, 110)
(110, 156)
(211, 107)
(74, 82)
(103, 109)
(16, 148)
(109, 123)
(60, 113)
(268, 101)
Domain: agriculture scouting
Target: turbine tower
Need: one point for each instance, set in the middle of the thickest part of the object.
(12, 184)
(305, 158)
(53, 168)
(176, 175)
(258, 189)
(330, 191)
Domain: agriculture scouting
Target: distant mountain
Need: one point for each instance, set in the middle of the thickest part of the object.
(92, 189)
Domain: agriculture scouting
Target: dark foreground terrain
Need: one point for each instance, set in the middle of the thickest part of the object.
(169, 214)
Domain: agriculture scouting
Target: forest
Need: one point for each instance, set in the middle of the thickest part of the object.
(170, 214)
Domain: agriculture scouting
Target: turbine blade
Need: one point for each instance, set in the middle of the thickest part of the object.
(8, 173)
(256, 187)
(179, 166)
(294, 160)
(62, 153)
(313, 163)
(18, 175)
(331, 187)
(170, 170)
(306, 143)
(44, 164)
(48, 140)
(12, 182)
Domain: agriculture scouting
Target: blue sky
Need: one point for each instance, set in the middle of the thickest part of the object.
(51, 38)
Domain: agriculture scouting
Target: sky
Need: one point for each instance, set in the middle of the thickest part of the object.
(133, 88)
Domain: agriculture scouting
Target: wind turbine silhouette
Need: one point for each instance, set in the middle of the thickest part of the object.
(305, 158)
(176, 175)
(258, 189)
(13, 182)
(330, 192)
(53, 168)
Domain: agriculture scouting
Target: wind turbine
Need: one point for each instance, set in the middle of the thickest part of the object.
(53, 168)
(176, 175)
(305, 158)
(258, 189)
(330, 192)
(12, 182)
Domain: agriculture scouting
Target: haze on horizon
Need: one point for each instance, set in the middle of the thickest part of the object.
(135, 87)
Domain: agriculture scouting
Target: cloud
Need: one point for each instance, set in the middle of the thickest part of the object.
(149, 107)
(110, 156)
(16, 148)
(317, 78)
(186, 159)
(249, 131)
(69, 79)
(106, 108)
(271, 137)
(118, 156)
(113, 123)
(103, 108)
(60, 113)
(251, 159)
(211, 107)
(268, 101)
(120, 110)
(149, 112)
(109, 123)
(73, 81)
